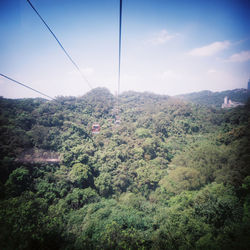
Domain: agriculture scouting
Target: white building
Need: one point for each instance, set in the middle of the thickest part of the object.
(230, 104)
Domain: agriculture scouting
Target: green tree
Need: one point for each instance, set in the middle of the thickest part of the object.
(18, 181)
(80, 175)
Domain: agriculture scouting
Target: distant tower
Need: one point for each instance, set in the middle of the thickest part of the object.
(226, 100)
(248, 86)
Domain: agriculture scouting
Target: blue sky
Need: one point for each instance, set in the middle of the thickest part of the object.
(168, 47)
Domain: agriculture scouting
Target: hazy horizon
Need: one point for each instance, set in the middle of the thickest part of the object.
(168, 48)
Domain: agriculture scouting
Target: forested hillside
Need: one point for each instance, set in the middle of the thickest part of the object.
(215, 99)
(172, 175)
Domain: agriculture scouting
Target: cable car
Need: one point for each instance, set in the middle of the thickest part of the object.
(96, 128)
(117, 120)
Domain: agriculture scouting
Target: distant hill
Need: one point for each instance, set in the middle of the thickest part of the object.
(209, 98)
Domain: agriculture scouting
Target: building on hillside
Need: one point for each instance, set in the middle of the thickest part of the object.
(230, 104)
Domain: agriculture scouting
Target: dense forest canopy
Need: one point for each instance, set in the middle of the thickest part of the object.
(172, 175)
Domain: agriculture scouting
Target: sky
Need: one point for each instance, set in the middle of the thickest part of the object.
(168, 46)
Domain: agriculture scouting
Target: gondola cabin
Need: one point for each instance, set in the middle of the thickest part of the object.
(117, 120)
(96, 128)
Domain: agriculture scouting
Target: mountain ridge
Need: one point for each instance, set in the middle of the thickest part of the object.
(204, 97)
(215, 99)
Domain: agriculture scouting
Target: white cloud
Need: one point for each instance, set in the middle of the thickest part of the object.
(211, 71)
(210, 49)
(87, 72)
(162, 37)
(243, 56)
(170, 75)
(130, 77)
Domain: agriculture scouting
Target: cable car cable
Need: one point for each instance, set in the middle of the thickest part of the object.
(60, 44)
(120, 35)
(119, 56)
(26, 86)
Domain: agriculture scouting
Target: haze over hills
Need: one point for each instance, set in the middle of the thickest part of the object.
(215, 99)
(172, 175)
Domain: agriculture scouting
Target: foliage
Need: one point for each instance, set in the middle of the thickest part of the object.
(172, 175)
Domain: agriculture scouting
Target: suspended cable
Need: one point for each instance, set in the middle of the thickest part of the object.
(119, 57)
(120, 35)
(27, 86)
(60, 44)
